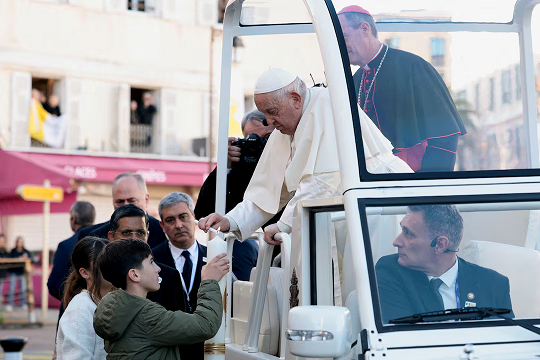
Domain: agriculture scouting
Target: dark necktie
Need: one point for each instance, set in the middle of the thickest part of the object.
(186, 271)
(436, 284)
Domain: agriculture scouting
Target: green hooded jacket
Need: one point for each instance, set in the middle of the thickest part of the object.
(137, 328)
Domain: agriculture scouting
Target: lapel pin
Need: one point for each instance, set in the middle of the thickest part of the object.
(470, 296)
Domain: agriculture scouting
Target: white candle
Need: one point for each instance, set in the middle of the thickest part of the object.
(214, 349)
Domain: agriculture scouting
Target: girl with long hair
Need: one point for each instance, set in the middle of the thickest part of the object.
(85, 286)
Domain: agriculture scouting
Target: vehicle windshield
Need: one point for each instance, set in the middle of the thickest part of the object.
(445, 95)
(435, 257)
(287, 12)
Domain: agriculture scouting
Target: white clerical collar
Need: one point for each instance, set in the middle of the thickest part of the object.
(450, 276)
(176, 252)
(373, 58)
(306, 100)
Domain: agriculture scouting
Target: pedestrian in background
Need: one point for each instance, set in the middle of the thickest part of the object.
(17, 273)
(3, 254)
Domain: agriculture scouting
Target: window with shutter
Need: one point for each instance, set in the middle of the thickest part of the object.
(21, 88)
(72, 95)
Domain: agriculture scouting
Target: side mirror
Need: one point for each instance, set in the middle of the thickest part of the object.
(319, 331)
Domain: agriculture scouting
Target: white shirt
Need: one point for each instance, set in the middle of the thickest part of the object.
(180, 260)
(448, 287)
(367, 68)
(76, 338)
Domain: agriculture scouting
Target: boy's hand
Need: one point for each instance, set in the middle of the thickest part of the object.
(216, 268)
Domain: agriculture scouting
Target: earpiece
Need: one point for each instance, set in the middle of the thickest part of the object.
(434, 242)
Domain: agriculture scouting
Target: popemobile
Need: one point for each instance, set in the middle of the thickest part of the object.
(438, 261)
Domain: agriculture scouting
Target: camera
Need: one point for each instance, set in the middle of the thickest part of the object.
(251, 149)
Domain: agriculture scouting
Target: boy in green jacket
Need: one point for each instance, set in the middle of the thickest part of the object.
(134, 327)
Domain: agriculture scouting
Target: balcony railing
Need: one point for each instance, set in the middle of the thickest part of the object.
(141, 138)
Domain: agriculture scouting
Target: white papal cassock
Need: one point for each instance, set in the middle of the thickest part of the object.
(305, 166)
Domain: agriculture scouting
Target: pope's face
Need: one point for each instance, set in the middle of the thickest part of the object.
(356, 42)
(413, 243)
(284, 113)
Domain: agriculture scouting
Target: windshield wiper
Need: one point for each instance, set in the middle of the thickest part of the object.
(469, 313)
(472, 313)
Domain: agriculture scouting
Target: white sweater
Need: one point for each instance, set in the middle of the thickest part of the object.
(76, 338)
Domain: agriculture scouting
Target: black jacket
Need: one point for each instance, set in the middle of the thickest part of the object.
(19, 270)
(170, 294)
(162, 254)
(155, 237)
(84, 232)
(404, 292)
(62, 265)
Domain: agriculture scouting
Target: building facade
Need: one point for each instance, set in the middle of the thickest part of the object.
(99, 57)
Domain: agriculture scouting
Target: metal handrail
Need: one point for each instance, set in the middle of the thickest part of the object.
(258, 295)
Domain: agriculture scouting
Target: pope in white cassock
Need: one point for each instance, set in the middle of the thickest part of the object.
(300, 160)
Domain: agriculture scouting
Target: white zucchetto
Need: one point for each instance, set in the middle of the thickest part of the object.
(273, 79)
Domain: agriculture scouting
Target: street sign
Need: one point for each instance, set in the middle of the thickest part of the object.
(40, 193)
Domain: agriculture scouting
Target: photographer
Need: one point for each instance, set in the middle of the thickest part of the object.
(243, 157)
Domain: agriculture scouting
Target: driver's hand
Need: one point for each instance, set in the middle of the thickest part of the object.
(269, 233)
(234, 152)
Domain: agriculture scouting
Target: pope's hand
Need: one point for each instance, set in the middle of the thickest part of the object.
(215, 221)
(269, 233)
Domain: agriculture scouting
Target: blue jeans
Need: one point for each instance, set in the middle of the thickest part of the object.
(12, 284)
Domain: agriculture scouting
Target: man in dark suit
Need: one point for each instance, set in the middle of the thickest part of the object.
(182, 252)
(129, 188)
(81, 215)
(427, 275)
(240, 173)
(131, 222)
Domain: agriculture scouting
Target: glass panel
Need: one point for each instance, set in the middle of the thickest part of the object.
(251, 59)
(535, 23)
(445, 101)
(435, 10)
(258, 12)
(482, 253)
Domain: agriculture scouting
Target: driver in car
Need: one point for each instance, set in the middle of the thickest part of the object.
(427, 275)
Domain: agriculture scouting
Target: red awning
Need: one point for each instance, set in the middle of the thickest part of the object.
(33, 168)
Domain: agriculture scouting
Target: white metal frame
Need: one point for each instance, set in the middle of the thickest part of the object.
(338, 90)
(354, 188)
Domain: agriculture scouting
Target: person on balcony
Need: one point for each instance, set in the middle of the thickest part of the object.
(52, 106)
(146, 109)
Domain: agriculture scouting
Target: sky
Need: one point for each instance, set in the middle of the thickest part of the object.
(474, 55)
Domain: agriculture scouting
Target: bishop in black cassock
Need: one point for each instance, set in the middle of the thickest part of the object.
(403, 95)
